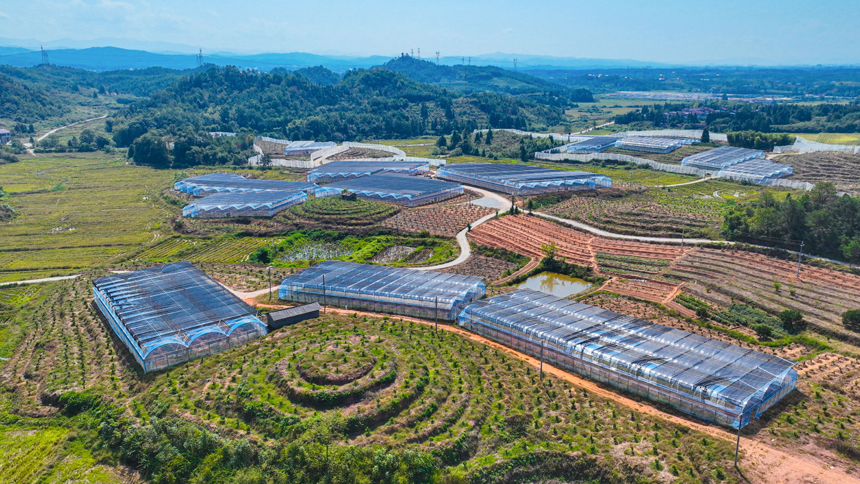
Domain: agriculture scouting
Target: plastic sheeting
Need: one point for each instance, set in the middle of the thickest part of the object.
(394, 290)
(342, 170)
(406, 190)
(173, 313)
(650, 144)
(722, 157)
(710, 379)
(243, 204)
(231, 182)
(521, 179)
(756, 170)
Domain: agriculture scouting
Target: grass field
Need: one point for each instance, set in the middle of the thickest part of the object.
(77, 211)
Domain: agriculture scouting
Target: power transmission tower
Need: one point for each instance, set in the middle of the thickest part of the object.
(44, 56)
(411, 52)
(200, 58)
(437, 57)
(419, 52)
(463, 61)
(470, 61)
(515, 65)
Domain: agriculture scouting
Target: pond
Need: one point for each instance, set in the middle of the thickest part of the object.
(558, 285)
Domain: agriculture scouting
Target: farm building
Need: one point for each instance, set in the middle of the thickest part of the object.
(591, 145)
(652, 144)
(707, 378)
(409, 191)
(173, 313)
(521, 179)
(394, 290)
(243, 204)
(286, 317)
(720, 158)
(5, 136)
(343, 170)
(232, 182)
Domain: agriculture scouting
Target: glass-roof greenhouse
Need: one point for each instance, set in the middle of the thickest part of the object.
(521, 179)
(172, 313)
(394, 290)
(409, 191)
(710, 379)
(342, 170)
(232, 182)
(720, 158)
(652, 144)
(243, 204)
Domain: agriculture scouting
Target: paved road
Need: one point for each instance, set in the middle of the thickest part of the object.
(46, 279)
(49, 133)
(490, 200)
(707, 178)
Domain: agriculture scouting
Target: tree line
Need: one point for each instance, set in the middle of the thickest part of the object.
(827, 224)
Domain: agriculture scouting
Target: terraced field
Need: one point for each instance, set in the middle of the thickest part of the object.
(444, 221)
(843, 169)
(373, 383)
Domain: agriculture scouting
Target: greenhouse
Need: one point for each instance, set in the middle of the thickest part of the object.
(409, 191)
(343, 170)
(304, 148)
(756, 170)
(393, 290)
(707, 378)
(652, 144)
(521, 179)
(232, 182)
(243, 204)
(721, 158)
(173, 313)
(592, 145)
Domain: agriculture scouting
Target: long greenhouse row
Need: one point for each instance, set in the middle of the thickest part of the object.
(255, 204)
(521, 179)
(409, 191)
(709, 379)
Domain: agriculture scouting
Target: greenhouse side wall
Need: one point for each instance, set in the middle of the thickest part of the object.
(731, 417)
(375, 304)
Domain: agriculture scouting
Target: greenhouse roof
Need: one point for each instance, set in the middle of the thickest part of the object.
(243, 200)
(400, 185)
(597, 143)
(173, 304)
(305, 146)
(722, 157)
(720, 373)
(652, 142)
(515, 174)
(232, 182)
(756, 169)
(355, 169)
(385, 284)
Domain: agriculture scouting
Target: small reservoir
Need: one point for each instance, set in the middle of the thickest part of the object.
(556, 284)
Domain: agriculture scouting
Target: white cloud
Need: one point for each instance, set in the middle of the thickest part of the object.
(3, 15)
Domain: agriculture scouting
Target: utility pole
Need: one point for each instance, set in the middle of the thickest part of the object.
(599, 213)
(799, 256)
(324, 301)
(683, 233)
(541, 360)
(738, 443)
(436, 314)
(270, 282)
(437, 57)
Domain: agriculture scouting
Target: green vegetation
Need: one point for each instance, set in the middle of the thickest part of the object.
(851, 319)
(825, 222)
(286, 408)
(318, 75)
(759, 141)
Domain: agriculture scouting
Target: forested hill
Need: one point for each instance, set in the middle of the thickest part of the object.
(485, 78)
(375, 103)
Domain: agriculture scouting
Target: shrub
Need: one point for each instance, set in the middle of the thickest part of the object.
(762, 330)
(851, 319)
(792, 320)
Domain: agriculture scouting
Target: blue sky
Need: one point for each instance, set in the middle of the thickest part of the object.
(691, 31)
